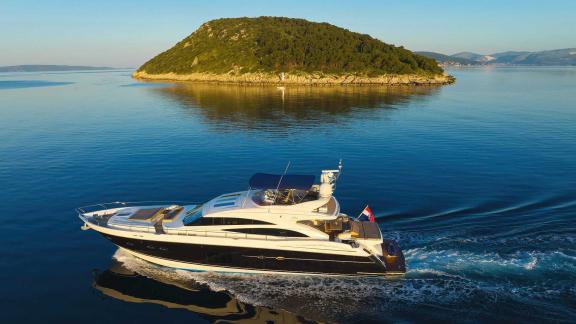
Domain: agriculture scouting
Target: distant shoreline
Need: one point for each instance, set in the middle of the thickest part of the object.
(300, 78)
(54, 68)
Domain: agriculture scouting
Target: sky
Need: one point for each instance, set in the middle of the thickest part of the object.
(128, 33)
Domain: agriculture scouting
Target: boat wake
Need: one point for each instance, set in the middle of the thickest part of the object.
(443, 278)
(491, 264)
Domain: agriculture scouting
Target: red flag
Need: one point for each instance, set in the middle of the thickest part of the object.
(369, 213)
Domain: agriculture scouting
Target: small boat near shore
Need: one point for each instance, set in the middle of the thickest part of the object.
(282, 224)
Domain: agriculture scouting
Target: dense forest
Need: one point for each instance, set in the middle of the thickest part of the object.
(275, 44)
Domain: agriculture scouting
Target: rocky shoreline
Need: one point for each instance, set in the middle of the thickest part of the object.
(299, 78)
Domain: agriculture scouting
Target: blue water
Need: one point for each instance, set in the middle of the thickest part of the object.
(17, 84)
(477, 181)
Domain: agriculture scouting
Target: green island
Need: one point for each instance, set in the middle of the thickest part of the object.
(281, 50)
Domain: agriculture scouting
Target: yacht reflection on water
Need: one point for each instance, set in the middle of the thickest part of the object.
(269, 107)
(121, 283)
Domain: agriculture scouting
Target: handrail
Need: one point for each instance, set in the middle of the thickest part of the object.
(120, 204)
(205, 233)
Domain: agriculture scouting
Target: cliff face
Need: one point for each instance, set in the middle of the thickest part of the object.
(284, 50)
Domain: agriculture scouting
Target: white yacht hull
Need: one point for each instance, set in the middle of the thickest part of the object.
(200, 253)
(198, 250)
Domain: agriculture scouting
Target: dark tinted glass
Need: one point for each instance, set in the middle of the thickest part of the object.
(268, 231)
(207, 221)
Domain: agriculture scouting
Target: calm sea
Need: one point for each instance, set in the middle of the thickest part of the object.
(477, 181)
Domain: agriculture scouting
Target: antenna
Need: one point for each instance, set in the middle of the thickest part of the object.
(279, 182)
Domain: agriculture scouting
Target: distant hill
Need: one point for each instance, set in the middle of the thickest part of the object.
(448, 60)
(509, 53)
(468, 56)
(43, 68)
(277, 49)
(559, 57)
(474, 56)
(565, 56)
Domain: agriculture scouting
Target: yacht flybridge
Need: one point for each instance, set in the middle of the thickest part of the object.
(282, 224)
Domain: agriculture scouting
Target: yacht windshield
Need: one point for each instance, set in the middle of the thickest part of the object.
(284, 197)
(193, 215)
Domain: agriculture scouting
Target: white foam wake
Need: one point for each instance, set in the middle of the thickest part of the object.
(439, 277)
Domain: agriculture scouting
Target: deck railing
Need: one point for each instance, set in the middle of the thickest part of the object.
(111, 207)
(121, 204)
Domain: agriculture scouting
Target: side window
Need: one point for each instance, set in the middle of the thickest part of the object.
(242, 221)
(215, 221)
(204, 221)
(268, 231)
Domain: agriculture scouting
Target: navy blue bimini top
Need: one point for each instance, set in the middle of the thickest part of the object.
(289, 181)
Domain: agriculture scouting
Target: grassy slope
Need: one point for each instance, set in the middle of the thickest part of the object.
(272, 44)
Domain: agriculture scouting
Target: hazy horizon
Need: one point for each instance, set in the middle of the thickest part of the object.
(128, 34)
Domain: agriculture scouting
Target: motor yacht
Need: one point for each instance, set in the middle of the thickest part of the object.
(282, 224)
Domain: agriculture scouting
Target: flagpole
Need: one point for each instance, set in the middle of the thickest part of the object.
(362, 212)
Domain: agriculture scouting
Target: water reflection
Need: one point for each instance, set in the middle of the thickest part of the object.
(20, 84)
(264, 107)
(287, 299)
(158, 287)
